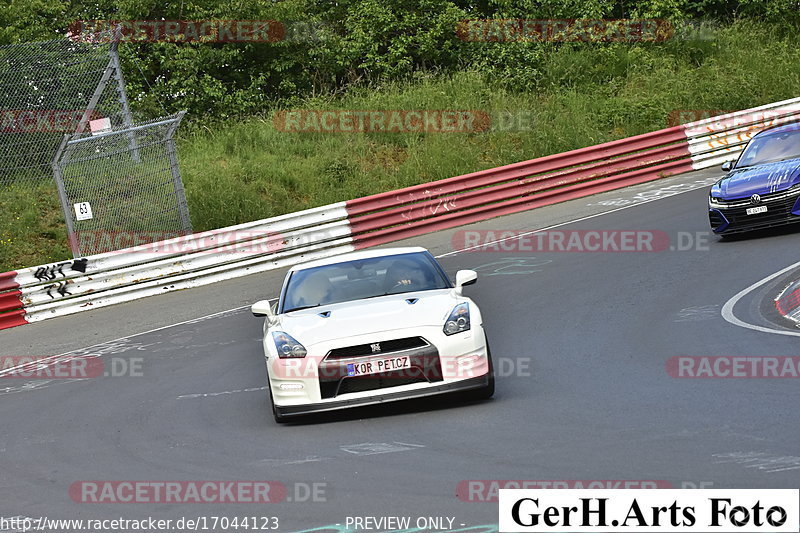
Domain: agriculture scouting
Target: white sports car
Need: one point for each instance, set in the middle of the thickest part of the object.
(369, 327)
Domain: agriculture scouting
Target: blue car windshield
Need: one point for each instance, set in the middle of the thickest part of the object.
(771, 147)
(362, 278)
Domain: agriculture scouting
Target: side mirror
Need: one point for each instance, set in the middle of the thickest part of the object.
(464, 278)
(727, 166)
(263, 308)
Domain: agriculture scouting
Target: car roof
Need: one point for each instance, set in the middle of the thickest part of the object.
(361, 254)
(782, 128)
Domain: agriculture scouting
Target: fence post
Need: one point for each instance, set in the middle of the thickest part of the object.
(174, 167)
(74, 245)
(127, 119)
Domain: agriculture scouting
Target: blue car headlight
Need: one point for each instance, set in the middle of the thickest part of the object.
(715, 200)
(287, 346)
(458, 321)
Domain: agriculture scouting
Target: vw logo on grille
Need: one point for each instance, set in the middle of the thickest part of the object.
(755, 199)
(375, 347)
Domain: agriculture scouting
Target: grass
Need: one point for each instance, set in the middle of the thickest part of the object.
(32, 228)
(247, 170)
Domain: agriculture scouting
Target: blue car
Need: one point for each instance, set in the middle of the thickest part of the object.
(762, 188)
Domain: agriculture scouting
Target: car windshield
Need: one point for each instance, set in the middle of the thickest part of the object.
(771, 147)
(362, 278)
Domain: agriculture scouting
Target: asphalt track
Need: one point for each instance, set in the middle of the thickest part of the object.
(583, 393)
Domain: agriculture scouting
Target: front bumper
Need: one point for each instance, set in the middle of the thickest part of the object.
(724, 224)
(731, 217)
(320, 380)
(385, 396)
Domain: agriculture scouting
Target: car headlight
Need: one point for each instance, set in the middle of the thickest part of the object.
(458, 321)
(287, 346)
(716, 200)
(794, 189)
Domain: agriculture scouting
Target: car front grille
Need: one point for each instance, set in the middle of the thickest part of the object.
(779, 211)
(362, 350)
(335, 381)
(716, 220)
(377, 381)
(766, 197)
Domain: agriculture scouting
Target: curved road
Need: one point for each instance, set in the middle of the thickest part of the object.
(581, 342)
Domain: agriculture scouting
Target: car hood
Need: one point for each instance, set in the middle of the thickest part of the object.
(761, 179)
(373, 315)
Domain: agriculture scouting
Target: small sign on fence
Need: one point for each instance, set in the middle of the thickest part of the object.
(101, 125)
(83, 211)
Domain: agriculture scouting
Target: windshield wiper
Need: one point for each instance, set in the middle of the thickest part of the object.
(375, 296)
(395, 293)
(302, 307)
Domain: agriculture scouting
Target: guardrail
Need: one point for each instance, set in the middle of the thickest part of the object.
(547, 180)
(58, 289)
(46, 291)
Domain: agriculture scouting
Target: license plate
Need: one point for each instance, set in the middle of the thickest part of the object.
(756, 210)
(377, 366)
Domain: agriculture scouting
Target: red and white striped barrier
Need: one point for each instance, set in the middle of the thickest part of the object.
(547, 180)
(787, 303)
(46, 291)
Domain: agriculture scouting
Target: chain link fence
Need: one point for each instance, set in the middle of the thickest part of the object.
(52, 88)
(64, 116)
(123, 187)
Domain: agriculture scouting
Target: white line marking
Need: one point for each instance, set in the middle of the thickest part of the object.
(34, 385)
(727, 309)
(409, 444)
(649, 194)
(221, 393)
(280, 462)
(697, 313)
(760, 460)
(374, 448)
(519, 235)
